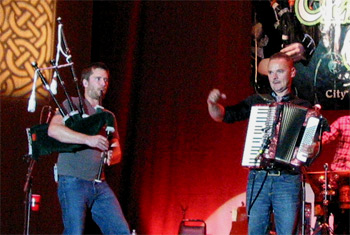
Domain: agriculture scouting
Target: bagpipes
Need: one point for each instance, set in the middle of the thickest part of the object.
(76, 119)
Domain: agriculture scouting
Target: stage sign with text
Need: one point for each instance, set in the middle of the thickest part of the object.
(326, 78)
(323, 27)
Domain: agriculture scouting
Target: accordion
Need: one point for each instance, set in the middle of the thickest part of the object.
(280, 132)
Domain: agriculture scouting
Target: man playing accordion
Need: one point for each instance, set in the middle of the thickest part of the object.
(276, 187)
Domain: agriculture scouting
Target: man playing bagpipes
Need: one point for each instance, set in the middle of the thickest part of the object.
(81, 184)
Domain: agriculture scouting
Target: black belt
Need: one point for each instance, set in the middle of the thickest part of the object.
(278, 172)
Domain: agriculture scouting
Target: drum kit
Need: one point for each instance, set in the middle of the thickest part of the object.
(332, 194)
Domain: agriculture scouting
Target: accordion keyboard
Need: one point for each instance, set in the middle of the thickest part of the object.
(256, 135)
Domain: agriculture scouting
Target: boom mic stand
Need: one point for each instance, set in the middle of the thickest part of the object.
(29, 181)
(28, 195)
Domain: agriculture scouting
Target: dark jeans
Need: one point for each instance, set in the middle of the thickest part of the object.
(278, 193)
(77, 195)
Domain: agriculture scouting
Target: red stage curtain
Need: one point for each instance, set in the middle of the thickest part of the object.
(174, 154)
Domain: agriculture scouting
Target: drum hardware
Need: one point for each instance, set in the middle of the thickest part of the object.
(324, 226)
(333, 197)
(324, 189)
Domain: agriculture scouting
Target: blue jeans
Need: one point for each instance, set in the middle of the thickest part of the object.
(280, 194)
(77, 195)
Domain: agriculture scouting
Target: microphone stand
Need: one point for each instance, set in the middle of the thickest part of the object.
(28, 196)
(27, 189)
(303, 206)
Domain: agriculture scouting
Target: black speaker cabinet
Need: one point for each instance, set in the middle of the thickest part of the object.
(192, 227)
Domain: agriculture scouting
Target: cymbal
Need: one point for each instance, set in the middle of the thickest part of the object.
(336, 179)
(342, 173)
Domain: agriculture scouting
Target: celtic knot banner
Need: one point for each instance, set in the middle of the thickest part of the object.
(27, 34)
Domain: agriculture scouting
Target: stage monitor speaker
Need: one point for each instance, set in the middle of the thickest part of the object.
(192, 227)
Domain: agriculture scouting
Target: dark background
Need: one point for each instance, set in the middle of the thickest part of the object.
(164, 58)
